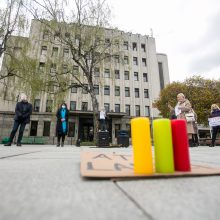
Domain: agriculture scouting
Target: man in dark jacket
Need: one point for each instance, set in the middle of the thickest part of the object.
(23, 111)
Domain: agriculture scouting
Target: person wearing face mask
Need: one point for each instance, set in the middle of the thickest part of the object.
(62, 124)
(23, 111)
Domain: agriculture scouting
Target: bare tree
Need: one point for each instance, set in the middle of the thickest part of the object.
(82, 29)
(12, 20)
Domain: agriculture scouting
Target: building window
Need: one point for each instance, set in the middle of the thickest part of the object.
(107, 90)
(147, 110)
(126, 75)
(107, 57)
(136, 91)
(71, 129)
(145, 78)
(160, 66)
(143, 48)
(135, 61)
(97, 72)
(53, 68)
(117, 129)
(77, 39)
(146, 93)
(107, 73)
(116, 58)
(107, 42)
(33, 129)
(46, 129)
(116, 43)
(49, 105)
(136, 77)
(126, 61)
(117, 90)
(75, 70)
(36, 105)
(125, 45)
(107, 107)
(64, 68)
(41, 67)
(117, 74)
(72, 105)
(46, 35)
(134, 46)
(96, 89)
(128, 110)
(137, 110)
(67, 36)
(127, 92)
(55, 52)
(117, 107)
(50, 87)
(84, 106)
(74, 88)
(144, 62)
(44, 50)
(57, 36)
(66, 52)
(85, 89)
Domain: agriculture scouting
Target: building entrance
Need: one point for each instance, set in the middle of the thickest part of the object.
(86, 128)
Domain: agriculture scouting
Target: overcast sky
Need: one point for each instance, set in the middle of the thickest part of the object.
(188, 31)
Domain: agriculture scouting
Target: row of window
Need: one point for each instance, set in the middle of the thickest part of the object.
(117, 91)
(108, 58)
(71, 129)
(47, 128)
(107, 73)
(84, 107)
(134, 45)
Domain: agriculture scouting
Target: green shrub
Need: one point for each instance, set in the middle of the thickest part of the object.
(88, 143)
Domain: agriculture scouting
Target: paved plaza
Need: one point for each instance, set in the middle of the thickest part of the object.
(44, 182)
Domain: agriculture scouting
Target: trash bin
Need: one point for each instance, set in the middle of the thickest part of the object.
(123, 138)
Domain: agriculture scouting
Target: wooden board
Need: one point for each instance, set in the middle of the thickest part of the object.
(120, 165)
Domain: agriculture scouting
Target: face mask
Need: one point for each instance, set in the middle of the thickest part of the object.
(63, 106)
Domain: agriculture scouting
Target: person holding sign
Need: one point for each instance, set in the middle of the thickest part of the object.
(214, 122)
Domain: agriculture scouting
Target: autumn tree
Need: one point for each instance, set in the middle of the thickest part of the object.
(202, 93)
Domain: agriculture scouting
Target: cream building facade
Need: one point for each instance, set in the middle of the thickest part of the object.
(125, 86)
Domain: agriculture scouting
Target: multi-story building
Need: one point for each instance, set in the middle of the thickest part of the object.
(126, 89)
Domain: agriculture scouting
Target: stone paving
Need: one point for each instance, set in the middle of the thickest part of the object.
(43, 182)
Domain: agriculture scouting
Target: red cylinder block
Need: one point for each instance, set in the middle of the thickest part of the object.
(180, 145)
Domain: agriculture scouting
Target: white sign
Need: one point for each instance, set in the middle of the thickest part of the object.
(214, 121)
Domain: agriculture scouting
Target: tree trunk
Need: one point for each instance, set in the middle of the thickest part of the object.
(95, 115)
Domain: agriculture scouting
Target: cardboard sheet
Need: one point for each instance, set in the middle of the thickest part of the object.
(120, 165)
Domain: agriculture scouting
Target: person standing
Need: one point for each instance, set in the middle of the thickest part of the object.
(215, 112)
(62, 123)
(102, 116)
(23, 111)
(182, 107)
